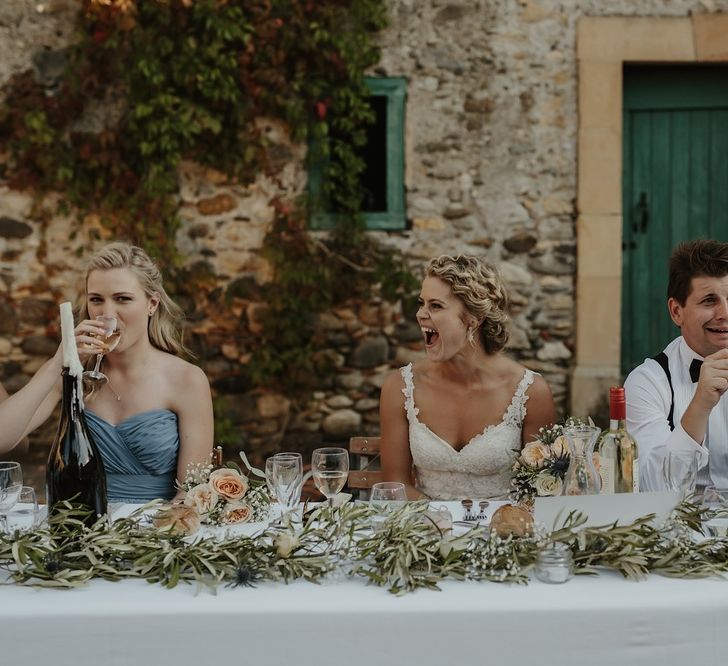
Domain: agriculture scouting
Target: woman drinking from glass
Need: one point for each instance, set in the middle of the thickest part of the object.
(151, 412)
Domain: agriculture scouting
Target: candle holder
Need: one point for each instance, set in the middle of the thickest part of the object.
(555, 564)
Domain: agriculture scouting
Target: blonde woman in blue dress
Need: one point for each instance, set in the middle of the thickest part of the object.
(452, 424)
(154, 416)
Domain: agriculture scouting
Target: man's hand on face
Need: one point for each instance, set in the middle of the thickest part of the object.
(713, 381)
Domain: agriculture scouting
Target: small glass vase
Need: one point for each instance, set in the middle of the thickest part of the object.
(582, 477)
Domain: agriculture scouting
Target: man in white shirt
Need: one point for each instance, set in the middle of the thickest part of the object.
(675, 401)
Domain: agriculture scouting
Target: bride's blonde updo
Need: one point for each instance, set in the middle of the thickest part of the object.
(480, 288)
(165, 324)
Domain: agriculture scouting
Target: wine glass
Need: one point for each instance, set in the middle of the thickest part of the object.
(287, 474)
(680, 470)
(111, 335)
(386, 496)
(716, 500)
(330, 467)
(11, 481)
(25, 515)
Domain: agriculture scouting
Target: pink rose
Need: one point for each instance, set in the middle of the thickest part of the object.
(236, 512)
(228, 483)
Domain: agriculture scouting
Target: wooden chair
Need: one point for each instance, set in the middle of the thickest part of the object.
(364, 465)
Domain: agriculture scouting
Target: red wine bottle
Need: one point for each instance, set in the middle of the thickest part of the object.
(75, 471)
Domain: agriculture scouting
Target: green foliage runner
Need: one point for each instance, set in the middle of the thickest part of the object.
(405, 553)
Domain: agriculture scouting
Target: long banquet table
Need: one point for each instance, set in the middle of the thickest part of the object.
(592, 620)
(589, 620)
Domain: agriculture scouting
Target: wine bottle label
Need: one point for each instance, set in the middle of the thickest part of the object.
(636, 475)
(606, 471)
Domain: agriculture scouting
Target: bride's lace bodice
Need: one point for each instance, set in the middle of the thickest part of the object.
(482, 468)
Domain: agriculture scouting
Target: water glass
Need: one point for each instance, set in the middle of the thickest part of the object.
(25, 515)
(11, 481)
(680, 470)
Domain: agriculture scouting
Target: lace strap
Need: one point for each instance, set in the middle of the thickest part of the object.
(408, 390)
(517, 409)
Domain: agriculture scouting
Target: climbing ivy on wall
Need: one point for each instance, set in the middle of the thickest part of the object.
(190, 79)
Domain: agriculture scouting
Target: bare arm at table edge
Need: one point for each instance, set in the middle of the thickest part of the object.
(395, 452)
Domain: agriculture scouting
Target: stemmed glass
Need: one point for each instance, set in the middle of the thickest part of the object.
(388, 494)
(330, 468)
(269, 478)
(26, 514)
(111, 338)
(680, 470)
(11, 481)
(716, 500)
(287, 476)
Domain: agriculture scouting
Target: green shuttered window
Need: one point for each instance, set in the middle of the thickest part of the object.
(383, 178)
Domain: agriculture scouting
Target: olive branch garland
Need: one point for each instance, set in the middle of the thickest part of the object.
(404, 552)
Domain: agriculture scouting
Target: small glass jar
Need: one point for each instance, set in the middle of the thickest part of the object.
(555, 564)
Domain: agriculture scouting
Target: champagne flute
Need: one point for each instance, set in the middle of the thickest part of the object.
(330, 467)
(287, 473)
(111, 336)
(269, 478)
(11, 481)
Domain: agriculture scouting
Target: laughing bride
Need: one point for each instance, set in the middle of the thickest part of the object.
(453, 423)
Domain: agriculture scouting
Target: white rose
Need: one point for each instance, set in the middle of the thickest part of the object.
(535, 454)
(202, 497)
(286, 543)
(546, 485)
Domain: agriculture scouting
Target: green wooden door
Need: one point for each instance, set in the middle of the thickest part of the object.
(675, 188)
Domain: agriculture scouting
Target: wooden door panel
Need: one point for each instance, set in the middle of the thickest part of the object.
(675, 188)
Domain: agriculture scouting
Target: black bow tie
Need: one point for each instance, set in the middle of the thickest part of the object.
(695, 369)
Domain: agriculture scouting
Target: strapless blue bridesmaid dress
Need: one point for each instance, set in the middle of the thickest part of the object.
(139, 454)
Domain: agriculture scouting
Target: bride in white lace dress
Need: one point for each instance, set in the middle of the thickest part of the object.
(452, 424)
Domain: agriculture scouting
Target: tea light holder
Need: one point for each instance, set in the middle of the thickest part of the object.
(555, 564)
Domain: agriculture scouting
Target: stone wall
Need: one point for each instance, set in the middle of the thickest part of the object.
(491, 130)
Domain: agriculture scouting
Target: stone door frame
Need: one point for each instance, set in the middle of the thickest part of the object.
(604, 44)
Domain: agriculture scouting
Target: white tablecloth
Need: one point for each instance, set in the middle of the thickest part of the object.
(601, 620)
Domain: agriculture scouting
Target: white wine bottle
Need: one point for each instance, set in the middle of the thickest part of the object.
(75, 471)
(618, 453)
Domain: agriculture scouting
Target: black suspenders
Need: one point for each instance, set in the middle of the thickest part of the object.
(661, 358)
